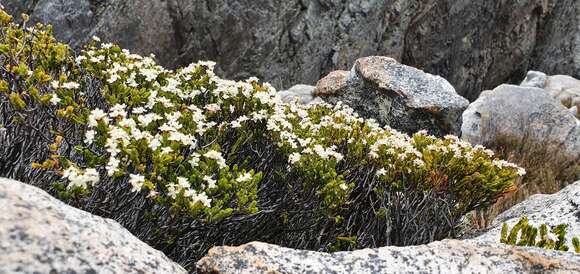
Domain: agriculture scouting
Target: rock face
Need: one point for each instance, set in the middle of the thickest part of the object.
(298, 41)
(39, 234)
(553, 209)
(304, 94)
(331, 83)
(563, 88)
(449, 256)
(518, 112)
(400, 96)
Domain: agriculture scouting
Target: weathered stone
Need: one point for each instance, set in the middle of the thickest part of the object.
(298, 41)
(304, 94)
(551, 209)
(563, 88)
(402, 97)
(521, 112)
(449, 256)
(40, 234)
(66, 17)
(331, 83)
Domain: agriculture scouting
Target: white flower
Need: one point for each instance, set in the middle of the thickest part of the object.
(217, 156)
(166, 150)
(113, 78)
(183, 183)
(236, 124)
(343, 186)
(194, 161)
(244, 178)
(172, 190)
(96, 39)
(381, 172)
(70, 85)
(138, 110)
(112, 166)
(149, 74)
(294, 158)
(89, 137)
(96, 115)
(80, 59)
(520, 171)
(54, 99)
(79, 178)
(152, 194)
(213, 107)
(419, 162)
(154, 144)
(203, 199)
(118, 110)
(136, 181)
(211, 183)
(145, 120)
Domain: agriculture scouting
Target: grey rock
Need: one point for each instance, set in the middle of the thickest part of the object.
(331, 83)
(557, 48)
(302, 93)
(40, 234)
(551, 209)
(521, 112)
(403, 97)
(563, 88)
(66, 17)
(476, 45)
(535, 79)
(449, 256)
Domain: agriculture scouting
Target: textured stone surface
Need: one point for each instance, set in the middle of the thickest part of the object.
(39, 234)
(476, 45)
(563, 88)
(66, 17)
(331, 83)
(402, 97)
(550, 209)
(519, 112)
(450, 256)
(304, 94)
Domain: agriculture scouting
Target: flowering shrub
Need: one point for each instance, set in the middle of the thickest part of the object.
(122, 133)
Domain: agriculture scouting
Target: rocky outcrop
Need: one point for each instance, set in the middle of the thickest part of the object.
(400, 96)
(331, 83)
(302, 93)
(521, 112)
(298, 41)
(551, 209)
(449, 256)
(39, 234)
(563, 88)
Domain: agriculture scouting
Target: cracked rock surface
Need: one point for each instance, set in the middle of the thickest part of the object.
(40, 234)
(449, 256)
(476, 45)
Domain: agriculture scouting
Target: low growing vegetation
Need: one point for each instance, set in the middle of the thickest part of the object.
(548, 171)
(186, 160)
(525, 234)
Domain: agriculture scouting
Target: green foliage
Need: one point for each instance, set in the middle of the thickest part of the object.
(343, 243)
(525, 234)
